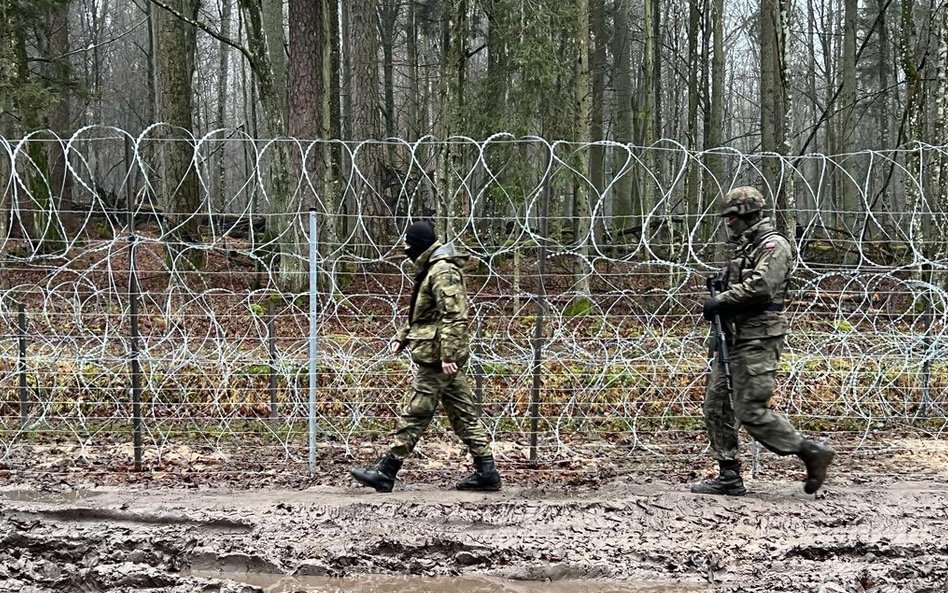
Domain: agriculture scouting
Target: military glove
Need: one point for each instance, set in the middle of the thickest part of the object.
(710, 307)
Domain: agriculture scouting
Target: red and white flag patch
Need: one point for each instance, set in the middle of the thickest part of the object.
(770, 244)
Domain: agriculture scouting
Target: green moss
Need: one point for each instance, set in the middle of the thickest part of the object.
(578, 306)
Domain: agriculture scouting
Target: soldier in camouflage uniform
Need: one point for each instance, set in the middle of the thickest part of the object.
(751, 309)
(437, 336)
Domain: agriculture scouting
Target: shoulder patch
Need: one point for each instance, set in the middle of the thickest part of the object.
(770, 245)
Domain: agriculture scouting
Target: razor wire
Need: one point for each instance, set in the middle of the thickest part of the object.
(591, 282)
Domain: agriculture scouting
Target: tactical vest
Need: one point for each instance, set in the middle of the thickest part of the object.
(759, 319)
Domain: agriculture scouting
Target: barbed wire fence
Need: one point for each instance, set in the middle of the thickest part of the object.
(127, 340)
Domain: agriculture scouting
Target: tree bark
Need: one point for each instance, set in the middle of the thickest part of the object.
(846, 120)
(174, 60)
(773, 102)
(276, 46)
(388, 17)
(713, 139)
(330, 123)
(283, 235)
(584, 124)
(694, 101)
(597, 67)
(454, 68)
(223, 89)
(365, 120)
(59, 75)
(624, 209)
(413, 100)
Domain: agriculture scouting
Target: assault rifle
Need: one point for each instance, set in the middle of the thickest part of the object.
(720, 338)
(716, 285)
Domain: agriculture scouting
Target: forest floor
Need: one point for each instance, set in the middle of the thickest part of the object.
(616, 525)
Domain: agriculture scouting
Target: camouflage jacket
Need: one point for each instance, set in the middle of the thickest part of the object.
(438, 318)
(755, 282)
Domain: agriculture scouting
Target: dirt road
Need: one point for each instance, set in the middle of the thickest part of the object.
(865, 532)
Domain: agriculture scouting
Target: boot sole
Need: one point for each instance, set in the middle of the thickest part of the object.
(740, 492)
(485, 489)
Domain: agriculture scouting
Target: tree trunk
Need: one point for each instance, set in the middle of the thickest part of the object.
(59, 75)
(884, 69)
(694, 99)
(413, 100)
(223, 90)
(305, 70)
(713, 139)
(174, 60)
(624, 209)
(772, 101)
(785, 200)
(643, 188)
(912, 123)
(283, 236)
(656, 76)
(939, 185)
(454, 68)
(345, 66)
(276, 46)
(388, 17)
(849, 204)
(365, 121)
(830, 66)
(597, 66)
(584, 124)
(330, 125)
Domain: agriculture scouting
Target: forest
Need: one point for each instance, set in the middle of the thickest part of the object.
(612, 120)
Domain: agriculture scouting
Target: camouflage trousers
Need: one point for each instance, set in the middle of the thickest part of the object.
(431, 386)
(753, 370)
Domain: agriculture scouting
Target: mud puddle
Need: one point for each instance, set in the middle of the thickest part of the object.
(280, 583)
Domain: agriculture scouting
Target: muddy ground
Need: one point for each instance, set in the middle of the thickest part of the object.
(623, 523)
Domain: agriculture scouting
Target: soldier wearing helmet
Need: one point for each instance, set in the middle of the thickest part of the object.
(750, 303)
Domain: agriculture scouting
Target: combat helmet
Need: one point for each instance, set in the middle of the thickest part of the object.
(742, 201)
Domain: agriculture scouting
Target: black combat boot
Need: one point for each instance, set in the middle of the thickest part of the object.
(728, 482)
(485, 476)
(817, 458)
(382, 477)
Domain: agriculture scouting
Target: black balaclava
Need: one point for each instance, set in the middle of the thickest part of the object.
(418, 238)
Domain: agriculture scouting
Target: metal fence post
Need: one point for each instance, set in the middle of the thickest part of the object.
(133, 295)
(537, 341)
(21, 341)
(478, 362)
(134, 362)
(313, 255)
(271, 346)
